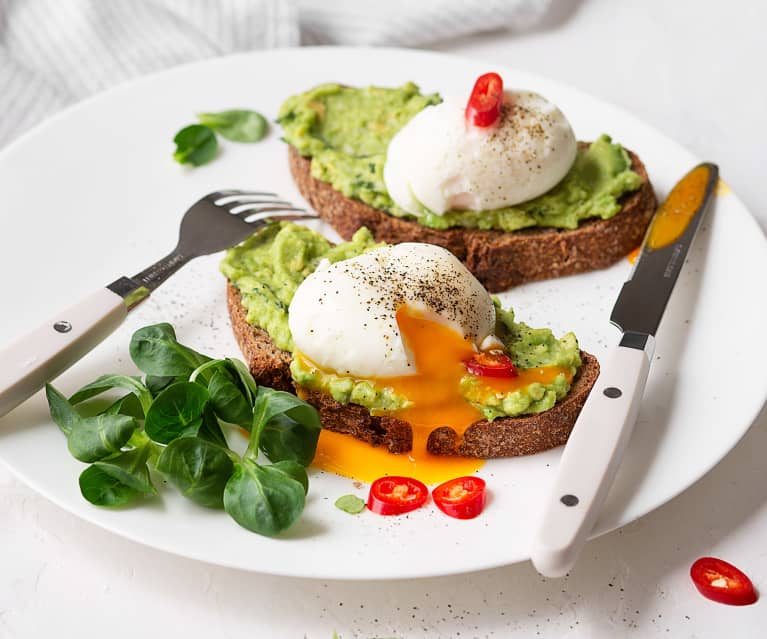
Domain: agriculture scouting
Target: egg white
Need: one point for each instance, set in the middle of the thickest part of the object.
(439, 162)
(343, 316)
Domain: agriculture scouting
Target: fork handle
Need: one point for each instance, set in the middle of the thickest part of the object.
(46, 352)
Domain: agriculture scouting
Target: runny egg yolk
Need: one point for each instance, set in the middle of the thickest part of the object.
(439, 353)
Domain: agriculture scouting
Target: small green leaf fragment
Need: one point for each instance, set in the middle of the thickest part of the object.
(196, 144)
(350, 504)
(237, 125)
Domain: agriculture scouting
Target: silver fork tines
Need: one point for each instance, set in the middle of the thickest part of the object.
(215, 222)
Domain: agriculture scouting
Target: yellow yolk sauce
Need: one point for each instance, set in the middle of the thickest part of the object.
(439, 353)
(543, 375)
(344, 455)
(678, 209)
(722, 188)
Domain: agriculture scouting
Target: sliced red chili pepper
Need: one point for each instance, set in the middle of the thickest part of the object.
(722, 582)
(396, 495)
(484, 106)
(462, 497)
(491, 364)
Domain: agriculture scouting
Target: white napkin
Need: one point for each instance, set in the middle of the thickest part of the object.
(56, 52)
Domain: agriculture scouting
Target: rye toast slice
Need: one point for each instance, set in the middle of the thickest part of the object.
(503, 437)
(498, 259)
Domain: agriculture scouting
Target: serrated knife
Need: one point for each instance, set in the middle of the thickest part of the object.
(594, 450)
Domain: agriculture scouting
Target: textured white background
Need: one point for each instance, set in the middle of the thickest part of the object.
(695, 71)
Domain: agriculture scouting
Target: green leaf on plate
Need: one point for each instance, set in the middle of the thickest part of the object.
(238, 125)
(198, 468)
(176, 412)
(350, 504)
(196, 144)
(264, 499)
(157, 352)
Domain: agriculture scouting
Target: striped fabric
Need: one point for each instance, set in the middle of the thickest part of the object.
(55, 52)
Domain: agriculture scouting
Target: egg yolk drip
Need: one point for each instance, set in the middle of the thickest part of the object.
(439, 353)
(678, 209)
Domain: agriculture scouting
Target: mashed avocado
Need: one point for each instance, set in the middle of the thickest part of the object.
(267, 269)
(346, 131)
(529, 348)
(346, 390)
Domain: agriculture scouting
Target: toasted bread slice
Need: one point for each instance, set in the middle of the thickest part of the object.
(498, 259)
(504, 437)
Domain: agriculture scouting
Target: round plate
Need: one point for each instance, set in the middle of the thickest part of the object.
(94, 193)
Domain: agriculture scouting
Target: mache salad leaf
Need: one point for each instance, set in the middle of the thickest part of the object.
(173, 422)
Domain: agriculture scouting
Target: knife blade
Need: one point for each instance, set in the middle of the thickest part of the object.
(595, 447)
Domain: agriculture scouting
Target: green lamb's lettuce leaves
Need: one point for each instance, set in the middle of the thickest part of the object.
(176, 412)
(264, 499)
(118, 480)
(198, 468)
(238, 125)
(284, 427)
(89, 439)
(172, 421)
(108, 382)
(196, 144)
(157, 352)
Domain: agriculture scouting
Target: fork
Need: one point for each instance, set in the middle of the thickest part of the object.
(217, 221)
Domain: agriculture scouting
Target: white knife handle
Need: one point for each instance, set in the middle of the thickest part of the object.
(590, 460)
(38, 357)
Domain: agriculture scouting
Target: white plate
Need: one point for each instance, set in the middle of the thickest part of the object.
(93, 194)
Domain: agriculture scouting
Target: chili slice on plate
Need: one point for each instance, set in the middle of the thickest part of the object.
(462, 497)
(491, 364)
(484, 106)
(396, 495)
(721, 581)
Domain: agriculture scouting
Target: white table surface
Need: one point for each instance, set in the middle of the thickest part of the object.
(697, 75)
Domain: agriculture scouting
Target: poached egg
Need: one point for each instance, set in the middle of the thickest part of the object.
(344, 316)
(439, 162)
(404, 317)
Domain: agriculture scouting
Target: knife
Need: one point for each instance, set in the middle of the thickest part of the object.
(595, 447)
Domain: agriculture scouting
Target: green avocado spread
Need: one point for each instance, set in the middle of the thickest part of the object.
(346, 132)
(528, 348)
(268, 268)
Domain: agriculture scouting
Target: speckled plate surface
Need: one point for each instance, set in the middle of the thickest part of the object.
(93, 193)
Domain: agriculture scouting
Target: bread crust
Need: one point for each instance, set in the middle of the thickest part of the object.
(503, 437)
(269, 365)
(498, 259)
